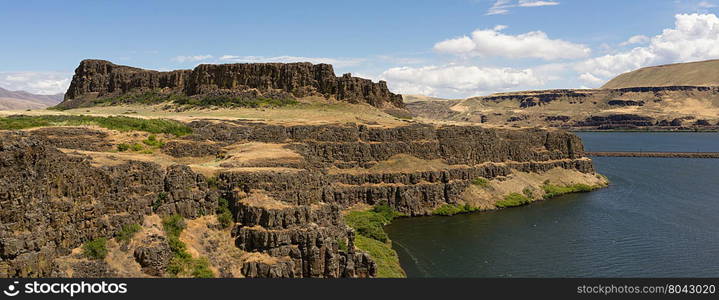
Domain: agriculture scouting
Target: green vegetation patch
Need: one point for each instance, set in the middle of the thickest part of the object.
(371, 223)
(555, 190)
(454, 209)
(372, 239)
(153, 142)
(513, 199)
(481, 182)
(95, 249)
(382, 253)
(127, 232)
(182, 263)
(120, 123)
(224, 215)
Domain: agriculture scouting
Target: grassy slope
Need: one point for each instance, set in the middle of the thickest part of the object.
(702, 73)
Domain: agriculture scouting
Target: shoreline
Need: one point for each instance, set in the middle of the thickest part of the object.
(655, 154)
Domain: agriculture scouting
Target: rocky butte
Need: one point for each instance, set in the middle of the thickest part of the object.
(98, 79)
(222, 197)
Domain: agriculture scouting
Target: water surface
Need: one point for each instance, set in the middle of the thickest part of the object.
(659, 218)
(651, 141)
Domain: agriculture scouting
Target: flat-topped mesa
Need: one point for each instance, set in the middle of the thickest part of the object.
(95, 79)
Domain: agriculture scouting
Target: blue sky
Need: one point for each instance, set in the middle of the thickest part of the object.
(454, 48)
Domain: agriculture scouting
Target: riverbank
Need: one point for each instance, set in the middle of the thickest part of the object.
(486, 195)
(657, 219)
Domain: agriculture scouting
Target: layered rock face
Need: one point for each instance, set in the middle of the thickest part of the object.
(352, 151)
(53, 202)
(287, 218)
(97, 79)
(621, 108)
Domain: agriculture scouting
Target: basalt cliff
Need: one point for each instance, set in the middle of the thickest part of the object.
(97, 80)
(287, 188)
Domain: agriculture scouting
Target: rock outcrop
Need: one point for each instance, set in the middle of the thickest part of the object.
(95, 79)
(52, 202)
(286, 219)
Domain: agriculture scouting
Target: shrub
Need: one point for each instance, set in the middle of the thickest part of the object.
(201, 268)
(513, 199)
(161, 198)
(481, 182)
(224, 214)
(554, 190)
(453, 209)
(212, 182)
(225, 219)
(136, 147)
(182, 263)
(127, 232)
(173, 225)
(95, 249)
(529, 192)
(342, 245)
(123, 147)
(152, 141)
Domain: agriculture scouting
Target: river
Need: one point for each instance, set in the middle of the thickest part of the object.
(658, 218)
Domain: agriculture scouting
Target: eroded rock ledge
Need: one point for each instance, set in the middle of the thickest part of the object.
(287, 218)
(100, 79)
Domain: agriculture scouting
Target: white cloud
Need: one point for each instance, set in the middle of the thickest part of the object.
(457, 80)
(706, 4)
(637, 39)
(501, 7)
(336, 62)
(694, 37)
(45, 83)
(591, 79)
(191, 58)
(528, 3)
(492, 42)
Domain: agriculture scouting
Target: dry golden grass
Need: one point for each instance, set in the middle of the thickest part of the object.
(311, 110)
(485, 197)
(203, 239)
(701, 73)
(260, 199)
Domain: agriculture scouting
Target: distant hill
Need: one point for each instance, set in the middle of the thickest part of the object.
(13, 100)
(701, 73)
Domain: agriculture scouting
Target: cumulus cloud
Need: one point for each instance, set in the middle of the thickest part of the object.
(694, 37)
(457, 80)
(191, 58)
(44, 83)
(591, 79)
(501, 7)
(336, 62)
(492, 42)
(637, 39)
